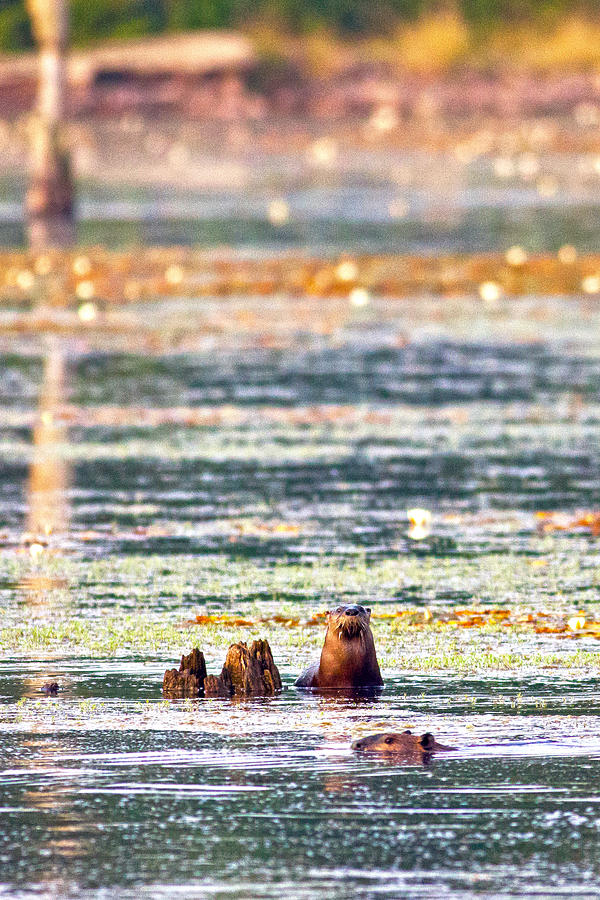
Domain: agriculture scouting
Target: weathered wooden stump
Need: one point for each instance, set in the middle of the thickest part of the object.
(248, 672)
(217, 686)
(188, 681)
(252, 672)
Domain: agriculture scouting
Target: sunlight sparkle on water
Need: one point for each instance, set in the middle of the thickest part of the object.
(359, 297)
(591, 284)
(88, 312)
(278, 212)
(490, 291)
(516, 256)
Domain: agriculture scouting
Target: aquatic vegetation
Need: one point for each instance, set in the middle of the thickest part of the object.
(101, 300)
(463, 640)
(240, 499)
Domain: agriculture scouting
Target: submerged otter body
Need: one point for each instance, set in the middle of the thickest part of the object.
(405, 744)
(348, 659)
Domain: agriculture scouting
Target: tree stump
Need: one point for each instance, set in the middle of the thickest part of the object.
(188, 681)
(217, 686)
(246, 673)
(251, 672)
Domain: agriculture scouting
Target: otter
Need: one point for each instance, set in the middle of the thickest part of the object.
(348, 659)
(406, 744)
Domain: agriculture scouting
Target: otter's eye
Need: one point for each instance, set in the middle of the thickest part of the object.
(389, 740)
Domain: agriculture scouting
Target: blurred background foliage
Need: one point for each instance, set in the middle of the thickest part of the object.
(94, 20)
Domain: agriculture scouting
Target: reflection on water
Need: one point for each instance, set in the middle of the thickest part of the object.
(334, 440)
(265, 190)
(179, 807)
(48, 519)
(261, 187)
(47, 496)
(49, 471)
(248, 479)
(469, 230)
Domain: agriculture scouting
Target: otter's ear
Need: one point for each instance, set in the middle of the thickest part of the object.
(427, 741)
(368, 609)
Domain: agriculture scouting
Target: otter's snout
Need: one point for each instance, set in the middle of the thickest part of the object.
(349, 621)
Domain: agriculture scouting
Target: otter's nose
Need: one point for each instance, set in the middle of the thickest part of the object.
(352, 611)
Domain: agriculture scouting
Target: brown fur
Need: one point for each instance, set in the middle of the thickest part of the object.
(348, 659)
(405, 744)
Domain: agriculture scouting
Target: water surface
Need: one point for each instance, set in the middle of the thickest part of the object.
(295, 498)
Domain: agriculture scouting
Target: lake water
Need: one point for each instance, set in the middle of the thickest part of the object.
(268, 187)
(257, 483)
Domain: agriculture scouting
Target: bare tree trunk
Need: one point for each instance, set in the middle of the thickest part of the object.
(49, 203)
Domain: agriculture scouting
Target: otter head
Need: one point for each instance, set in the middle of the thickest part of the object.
(348, 659)
(405, 744)
(348, 622)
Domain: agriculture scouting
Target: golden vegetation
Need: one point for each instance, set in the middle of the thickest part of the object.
(433, 619)
(439, 42)
(430, 46)
(573, 44)
(587, 521)
(89, 284)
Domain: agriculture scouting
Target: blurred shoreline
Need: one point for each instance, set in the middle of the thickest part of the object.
(432, 67)
(271, 143)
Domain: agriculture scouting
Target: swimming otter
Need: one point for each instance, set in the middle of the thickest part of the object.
(348, 659)
(405, 744)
